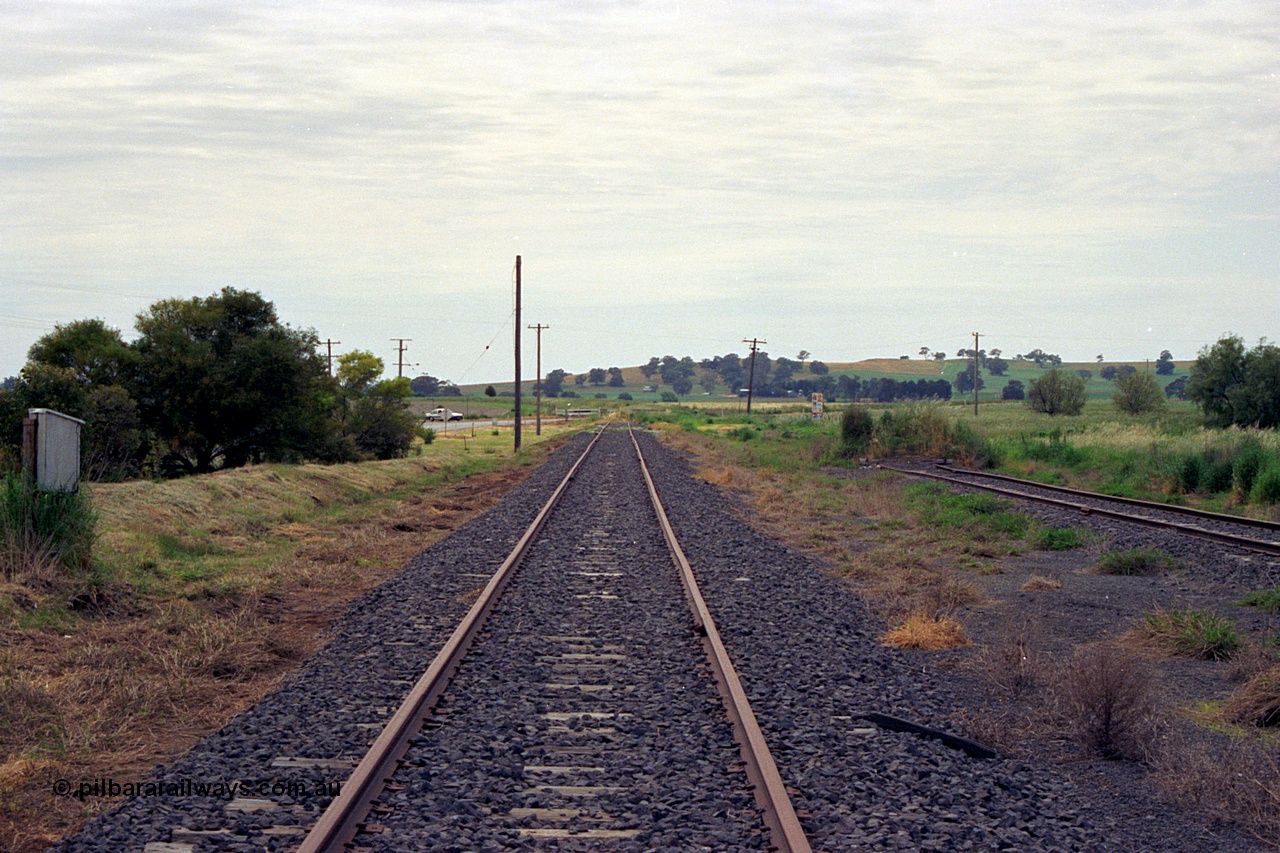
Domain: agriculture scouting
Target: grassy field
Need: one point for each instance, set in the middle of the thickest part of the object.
(1096, 388)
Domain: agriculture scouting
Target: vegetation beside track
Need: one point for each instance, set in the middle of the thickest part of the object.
(921, 556)
(204, 593)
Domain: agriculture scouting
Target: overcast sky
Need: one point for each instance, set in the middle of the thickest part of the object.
(855, 179)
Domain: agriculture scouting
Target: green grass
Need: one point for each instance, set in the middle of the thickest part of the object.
(1136, 561)
(1263, 599)
(1061, 538)
(1193, 633)
(982, 517)
(43, 531)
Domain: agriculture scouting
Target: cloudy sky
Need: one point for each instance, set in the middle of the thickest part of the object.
(855, 179)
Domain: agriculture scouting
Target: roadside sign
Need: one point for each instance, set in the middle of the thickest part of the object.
(817, 400)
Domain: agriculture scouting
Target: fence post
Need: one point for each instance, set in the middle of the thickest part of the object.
(29, 447)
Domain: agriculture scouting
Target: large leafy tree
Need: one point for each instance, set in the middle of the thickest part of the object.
(1233, 385)
(90, 349)
(1138, 393)
(223, 382)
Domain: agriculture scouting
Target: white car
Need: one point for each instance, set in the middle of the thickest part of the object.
(444, 415)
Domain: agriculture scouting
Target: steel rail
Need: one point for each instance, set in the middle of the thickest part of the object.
(1261, 546)
(340, 822)
(771, 796)
(1242, 520)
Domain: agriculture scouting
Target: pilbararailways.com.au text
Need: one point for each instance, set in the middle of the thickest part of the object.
(222, 790)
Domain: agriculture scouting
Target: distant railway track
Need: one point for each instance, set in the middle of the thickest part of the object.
(574, 674)
(1219, 528)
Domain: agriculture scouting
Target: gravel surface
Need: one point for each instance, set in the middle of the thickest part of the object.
(803, 646)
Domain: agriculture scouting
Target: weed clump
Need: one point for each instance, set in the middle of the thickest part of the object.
(42, 533)
(1266, 489)
(926, 632)
(1061, 538)
(1136, 561)
(1257, 701)
(1107, 701)
(1263, 599)
(1192, 633)
(856, 429)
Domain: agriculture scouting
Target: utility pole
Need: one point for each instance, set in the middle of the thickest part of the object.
(400, 354)
(751, 372)
(331, 345)
(975, 374)
(517, 447)
(537, 430)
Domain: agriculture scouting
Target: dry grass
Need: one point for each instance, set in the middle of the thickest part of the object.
(926, 632)
(1237, 782)
(1257, 701)
(1039, 583)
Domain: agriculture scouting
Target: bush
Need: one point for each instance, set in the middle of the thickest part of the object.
(43, 531)
(1257, 701)
(669, 397)
(1137, 394)
(1056, 393)
(1266, 489)
(625, 396)
(1107, 698)
(1013, 390)
(1248, 463)
(856, 429)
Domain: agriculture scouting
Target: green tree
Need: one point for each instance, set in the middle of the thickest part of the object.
(616, 379)
(1013, 390)
(424, 385)
(553, 384)
(682, 386)
(92, 350)
(596, 376)
(490, 392)
(1138, 393)
(819, 368)
(1164, 364)
(380, 421)
(964, 380)
(708, 381)
(223, 382)
(358, 370)
(1056, 393)
(1216, 377)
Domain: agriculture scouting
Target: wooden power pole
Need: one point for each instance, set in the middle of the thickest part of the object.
(400, 354)
(537, 387)
(518, 413)
(975, 374)
(330, 345)
(751, 372)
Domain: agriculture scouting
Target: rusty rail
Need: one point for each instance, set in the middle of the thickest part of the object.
(771, 796)
(1261, 546)
(340, 822)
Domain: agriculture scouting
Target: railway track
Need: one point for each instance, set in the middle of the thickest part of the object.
(1218, 528)
(578, 717)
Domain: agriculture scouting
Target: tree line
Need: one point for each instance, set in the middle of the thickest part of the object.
(209, 383)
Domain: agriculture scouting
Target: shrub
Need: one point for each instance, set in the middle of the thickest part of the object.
(1136, 561)
(1266, 489)
(1192, 633)
(669, 397)
(1106, 698)
(1248, 463)
(625, 396)
(856, 428)
(1013, 390)
(1056, 393)
(427, 435)
(40, 531)
(1137, 394)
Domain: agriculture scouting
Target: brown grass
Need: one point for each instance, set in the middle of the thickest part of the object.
(1237, 782)
(1039, 583)
(1257, 701)
(926, 632)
